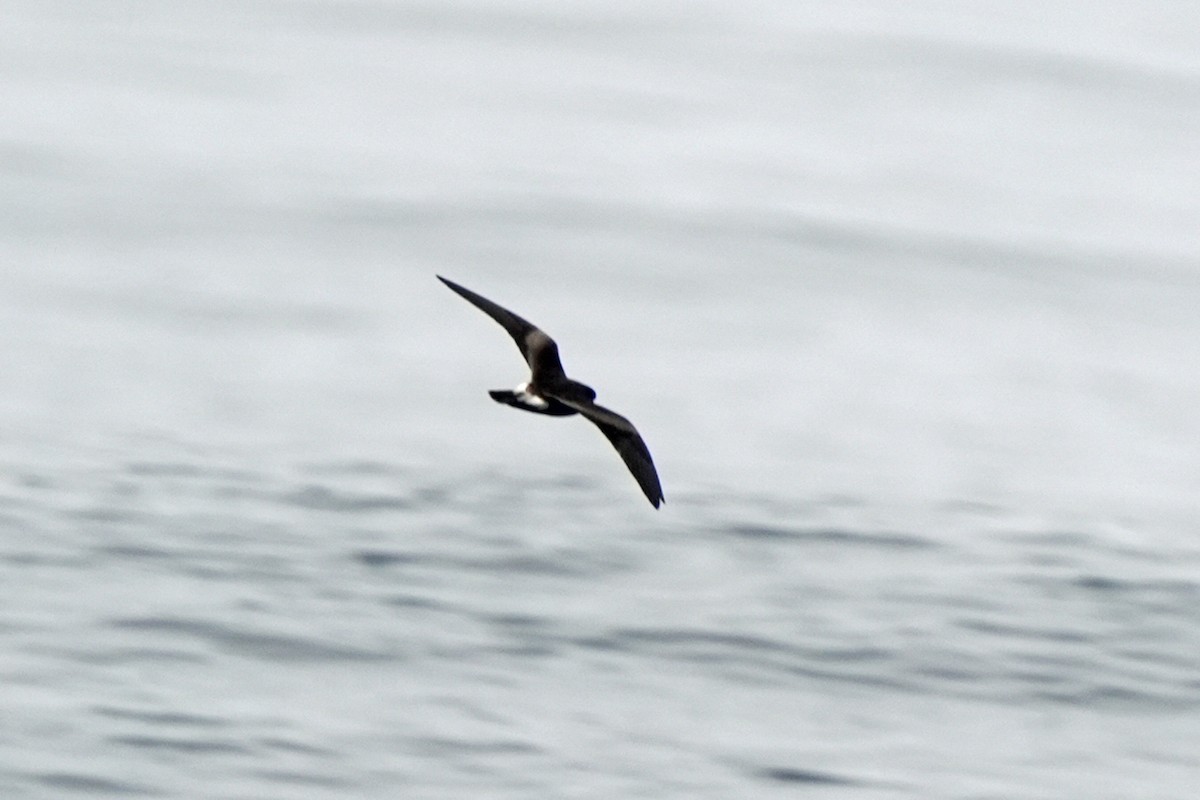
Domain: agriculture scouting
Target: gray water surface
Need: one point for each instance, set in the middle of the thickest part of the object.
(902, 297)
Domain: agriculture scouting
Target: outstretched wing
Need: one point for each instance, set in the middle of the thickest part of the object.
(628, 442)
(539, 350)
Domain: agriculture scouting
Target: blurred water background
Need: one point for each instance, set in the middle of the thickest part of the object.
(903, 297)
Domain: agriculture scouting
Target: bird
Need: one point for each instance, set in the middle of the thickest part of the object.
(549, 391)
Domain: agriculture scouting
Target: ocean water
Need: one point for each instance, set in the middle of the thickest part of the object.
(901, 296)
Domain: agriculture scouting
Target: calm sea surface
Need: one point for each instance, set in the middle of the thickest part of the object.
(903, 298)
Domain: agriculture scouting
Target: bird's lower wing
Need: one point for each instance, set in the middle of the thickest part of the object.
(629, 444)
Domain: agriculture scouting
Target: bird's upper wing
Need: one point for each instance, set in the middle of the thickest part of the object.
(628, 442)
(539, 350)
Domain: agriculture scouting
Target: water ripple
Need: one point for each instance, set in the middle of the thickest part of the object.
(256, 644)
(90, 784)
(803, 777)
(179, 745)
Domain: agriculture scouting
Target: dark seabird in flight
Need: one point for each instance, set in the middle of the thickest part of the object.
(550, 391)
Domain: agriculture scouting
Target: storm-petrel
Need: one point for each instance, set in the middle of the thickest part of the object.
(550, 391)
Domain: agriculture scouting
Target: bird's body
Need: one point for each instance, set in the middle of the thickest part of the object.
(549, 391)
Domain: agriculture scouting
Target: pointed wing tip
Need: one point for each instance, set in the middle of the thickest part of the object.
(451, 284)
